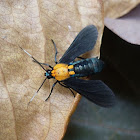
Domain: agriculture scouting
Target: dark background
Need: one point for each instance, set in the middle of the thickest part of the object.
(121, 74)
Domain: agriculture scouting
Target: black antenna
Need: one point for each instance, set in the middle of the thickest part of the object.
(37, 91)
(45, 64)
(32, 58)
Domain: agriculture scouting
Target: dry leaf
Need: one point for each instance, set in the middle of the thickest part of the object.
(118, 8)
(127, 27)
(31, 24)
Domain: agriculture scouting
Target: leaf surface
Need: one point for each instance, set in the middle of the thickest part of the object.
(118, 8)
(32, 25)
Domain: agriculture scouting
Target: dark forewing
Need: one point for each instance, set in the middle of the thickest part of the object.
(94, 90)
(83, 43)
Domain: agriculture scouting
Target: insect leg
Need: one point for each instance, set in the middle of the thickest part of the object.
(51, 90)
(80, 57)
(85, 58)
(44, 64)
(68, 88)
(55, 51)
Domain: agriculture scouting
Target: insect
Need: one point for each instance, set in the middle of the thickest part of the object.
(67, 71)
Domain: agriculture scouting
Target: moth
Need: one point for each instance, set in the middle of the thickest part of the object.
(68, 72)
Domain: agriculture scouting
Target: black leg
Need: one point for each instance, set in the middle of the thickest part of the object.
(80, 57)
(51, 90)
(67, 87)
(44, 64)
(55, 51)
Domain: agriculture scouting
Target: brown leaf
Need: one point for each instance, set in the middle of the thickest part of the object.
(118, 8)
(31, 25)
(127, 27)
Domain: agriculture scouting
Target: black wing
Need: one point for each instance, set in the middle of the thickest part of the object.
(94, 90)
(83, 43)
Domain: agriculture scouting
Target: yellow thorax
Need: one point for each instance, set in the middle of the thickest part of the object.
(61, 71)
